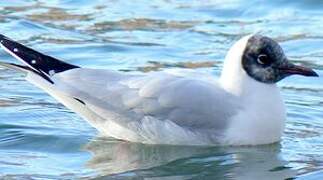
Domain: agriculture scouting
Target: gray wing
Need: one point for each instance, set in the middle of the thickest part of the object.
(193, 103)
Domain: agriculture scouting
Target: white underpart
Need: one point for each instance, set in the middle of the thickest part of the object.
(174, 107)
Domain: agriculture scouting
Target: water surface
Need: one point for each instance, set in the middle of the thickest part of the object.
(40, 139)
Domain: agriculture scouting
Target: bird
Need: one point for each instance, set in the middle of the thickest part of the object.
(243, 106)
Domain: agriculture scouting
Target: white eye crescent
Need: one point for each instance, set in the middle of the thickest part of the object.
(263, 59)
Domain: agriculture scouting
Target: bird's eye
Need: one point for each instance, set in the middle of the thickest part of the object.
(263, 59)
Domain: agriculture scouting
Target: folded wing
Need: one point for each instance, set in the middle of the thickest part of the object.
(189, 102)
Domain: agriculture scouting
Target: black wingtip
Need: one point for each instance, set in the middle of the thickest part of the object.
(41, 63)
(22, 68)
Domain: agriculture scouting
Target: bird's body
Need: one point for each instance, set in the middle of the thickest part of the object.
(169, 107)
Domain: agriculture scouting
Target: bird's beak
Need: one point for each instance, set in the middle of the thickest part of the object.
(291, 69)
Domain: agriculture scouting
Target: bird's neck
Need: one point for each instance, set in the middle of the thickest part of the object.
(234, 78)
(240, 84)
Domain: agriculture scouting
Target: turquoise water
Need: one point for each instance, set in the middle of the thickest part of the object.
(40, 139)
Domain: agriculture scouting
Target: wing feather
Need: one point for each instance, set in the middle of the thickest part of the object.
(189, 102)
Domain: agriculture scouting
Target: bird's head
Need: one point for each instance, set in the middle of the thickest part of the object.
(262, 59)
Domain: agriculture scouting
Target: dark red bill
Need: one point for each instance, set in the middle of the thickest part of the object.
(291, 69)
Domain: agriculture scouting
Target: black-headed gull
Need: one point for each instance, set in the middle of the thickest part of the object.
(243, 107)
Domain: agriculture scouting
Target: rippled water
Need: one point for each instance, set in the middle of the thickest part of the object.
(40, 139)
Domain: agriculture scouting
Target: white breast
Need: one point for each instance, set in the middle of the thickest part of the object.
(261, 120)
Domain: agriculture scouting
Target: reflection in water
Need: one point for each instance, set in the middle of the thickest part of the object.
(142, 24)
(6, 103)
(115, 158)
(157, 66)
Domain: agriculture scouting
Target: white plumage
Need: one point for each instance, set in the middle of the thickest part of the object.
(174, 107)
